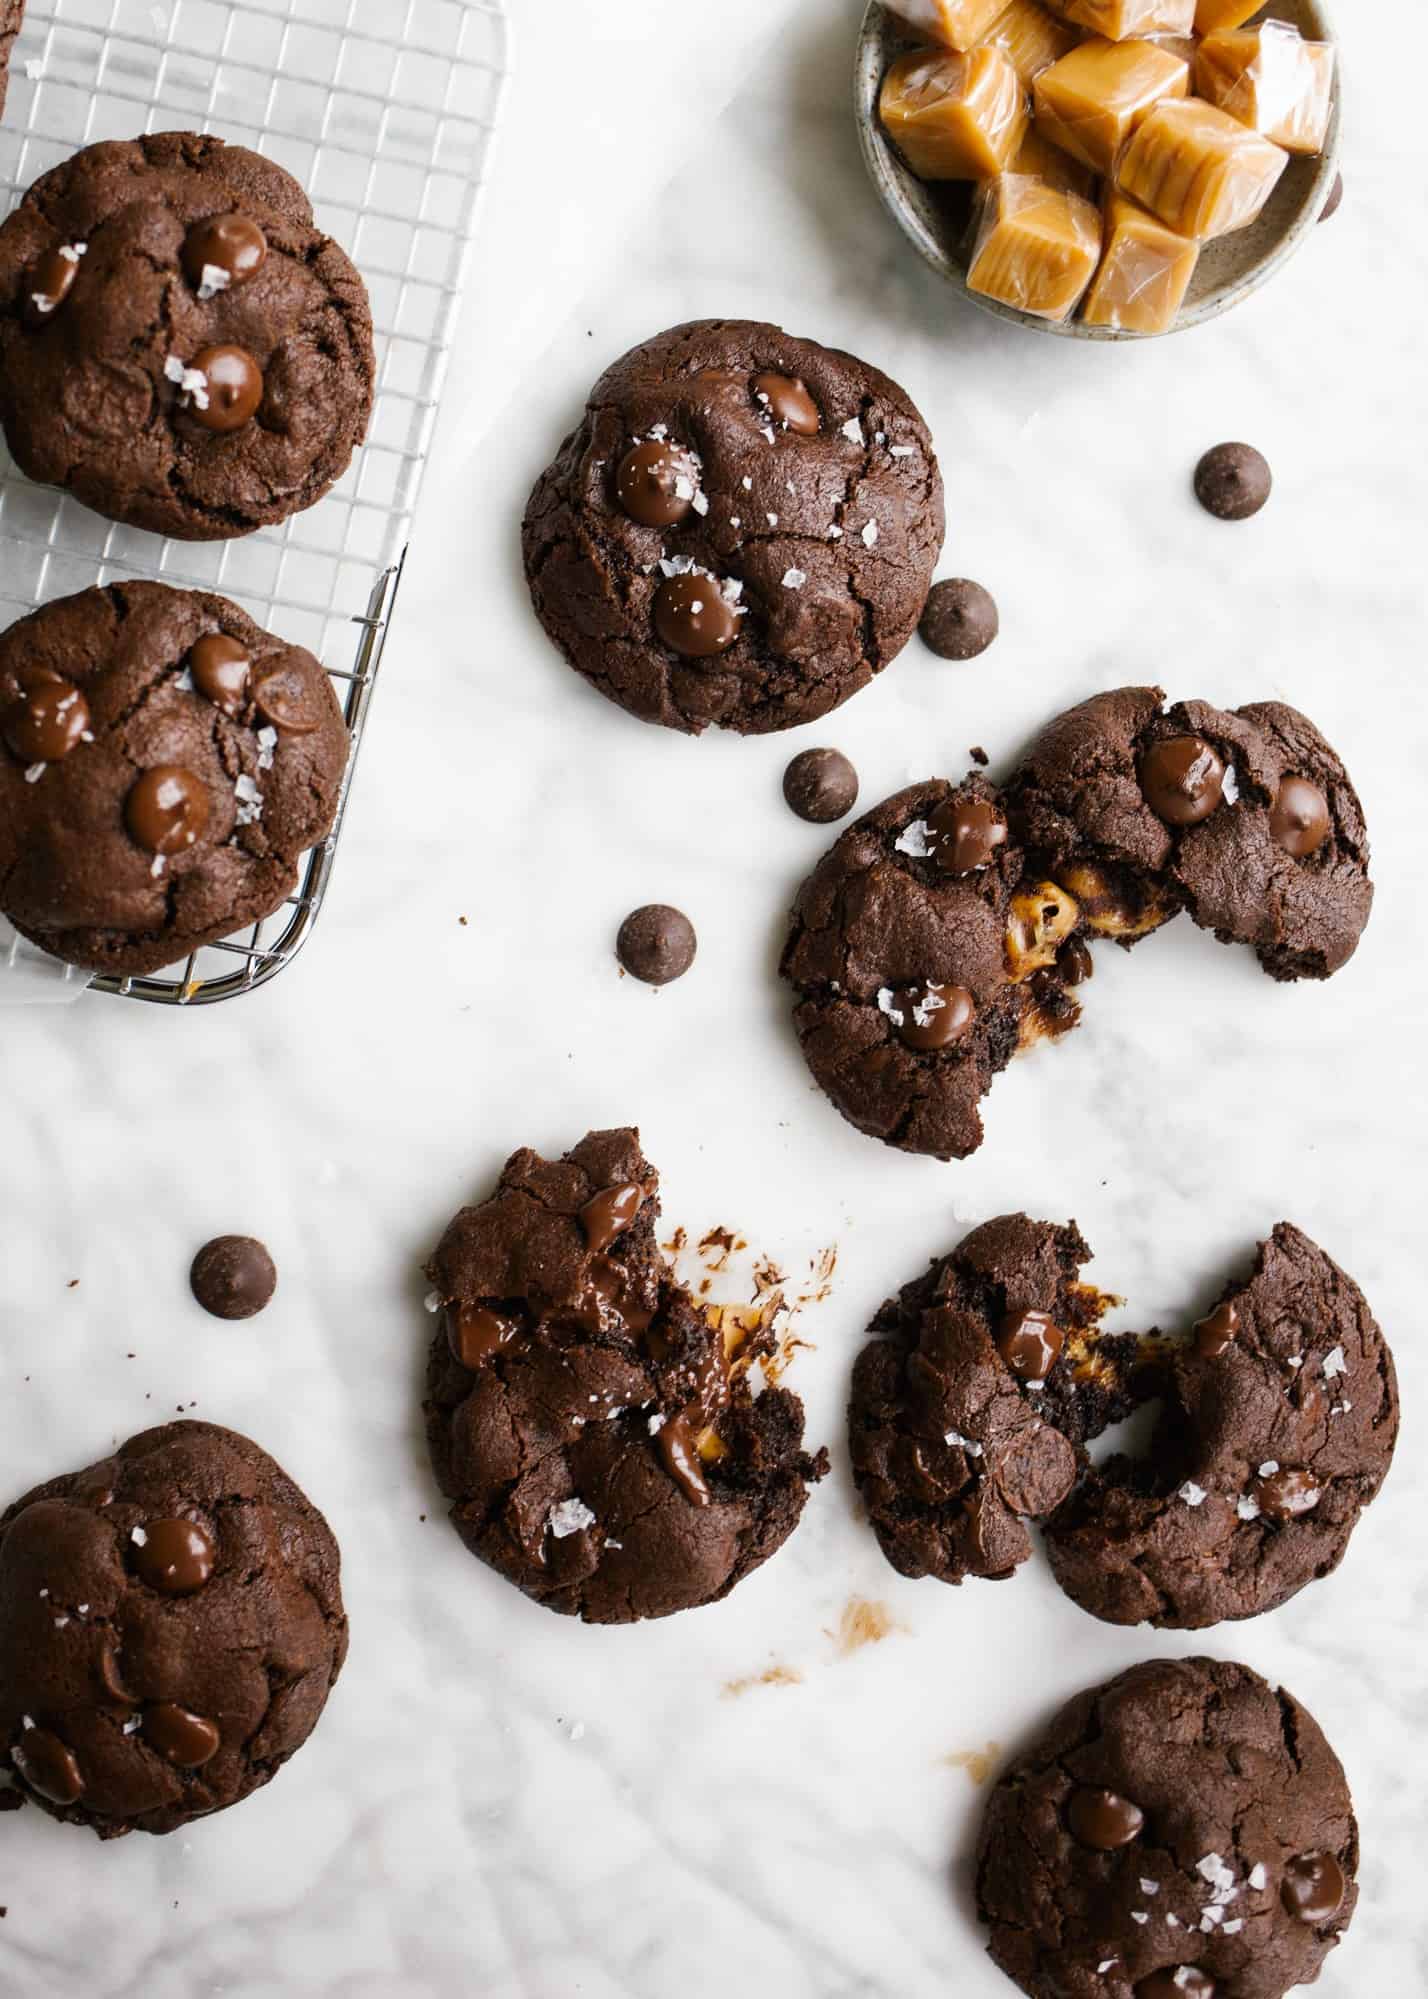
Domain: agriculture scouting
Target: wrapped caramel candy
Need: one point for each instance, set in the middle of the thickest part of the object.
(1031, 37)
(1144, 274)
(952, 24)
(1091, 101)
(1036, 246)
(1271, 79)
(1199, 169)
(1037, 156)
(1118, 19)
(1211, 15)
(951, 116)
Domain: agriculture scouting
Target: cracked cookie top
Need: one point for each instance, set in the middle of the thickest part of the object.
(180, 346)
(164, 763)
(171, 1624)
(742, 530)
(1182, 1832)
(594, 1430)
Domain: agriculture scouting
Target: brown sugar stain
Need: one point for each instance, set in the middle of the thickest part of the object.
(978, 1763)
(772, 1676)
(864, 1622)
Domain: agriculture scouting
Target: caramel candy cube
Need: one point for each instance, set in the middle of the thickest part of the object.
(1117, 20)
(951, 116)
(1031, 37)
(1037, 156)
(952, 24)
(1272, 80)
(1145, 272)
(1036, 246)
(1199, 169)
(1212, 15)
(1091, 101)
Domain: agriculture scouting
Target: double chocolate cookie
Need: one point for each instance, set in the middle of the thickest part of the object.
(986, 1378)
(180, 346)
(171, 1625)
(977, 907)
(163, 766)
(12, 15)
(596, 1435)
(1182, 1832)
(742, 529)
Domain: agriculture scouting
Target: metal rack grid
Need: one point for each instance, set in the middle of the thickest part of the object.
(384, 110)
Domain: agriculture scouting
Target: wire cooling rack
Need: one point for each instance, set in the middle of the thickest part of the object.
(384, 110)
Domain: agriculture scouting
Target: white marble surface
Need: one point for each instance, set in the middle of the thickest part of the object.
(444, 1834)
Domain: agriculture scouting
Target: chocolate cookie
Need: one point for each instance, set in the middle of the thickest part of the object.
(163, 765)
(922, 957)
(12, 15)
(180, 347)
(742, 529)
(970, 1402)
(1279, 1421)
(171, 1625)
(595, 1433)
(1182, 1832)
(1246, 818)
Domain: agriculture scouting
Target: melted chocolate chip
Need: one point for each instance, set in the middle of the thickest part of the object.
(607, 1305)
(959, 620)
(49, 283)
(967, 833)
(1233, 481)
(609, 1213)
(788, 402)
(1074, 963)
(679, 1449)
(1215, 1334)
(1299, 817)
(48, 720)
(694, 617)
(111, 1678)
(290, 701)
(1285, 1494)
(1029, 1343)
(656, 483)
(185, 1739)
(1103, 1819)
(1180, 1981)
(1183, 780)
(166, 810)
(234, 389)
(220, 668)
(475, 1332)
(48, 1766)
(1313, 1887)
(175, 1557)
(820, 786)
(656, 944)
(928, 1016)
(233, 245)
(233, 1277)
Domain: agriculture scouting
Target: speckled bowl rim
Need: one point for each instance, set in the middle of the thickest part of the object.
(884, 168)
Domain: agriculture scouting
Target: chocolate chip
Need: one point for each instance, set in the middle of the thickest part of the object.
(1215, 1334)
(1335, 196)
(694, 617)
(49, 283)
(174, 1557)
(1285, 1494)
(49, 718)
(232, 245)
(185, 1739)
(1233, 481)
(967, 834)
(959, 620)
(474, 1333)
(1029, 1342)
(678, 1448)
(928, 1016)
(291, 700)
(232, 392)
(821, 786)
(788, 402)
(1313, 1887)
(220, 668)
(656, 483)
(656, 944)
(607, 1215)
(1074, 963)
(233, 1277)
(1299, 817)
(1183, 780)
(1103, 1819)
(48, 1766)
(166, 810)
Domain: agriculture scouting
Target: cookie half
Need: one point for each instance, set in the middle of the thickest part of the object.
(1182, 1832)
(164, 764)
(181, 348)
(596, 1435)
(171, 1625)
(741, 530)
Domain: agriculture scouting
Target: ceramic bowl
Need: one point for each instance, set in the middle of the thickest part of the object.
(936, 216)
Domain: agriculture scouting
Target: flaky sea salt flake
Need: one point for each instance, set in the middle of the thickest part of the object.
(1192, 1494)
(794, 579)
(870, 535)
(1335, 1363)
(914, 840)
(571, 1516)
(853, 431)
